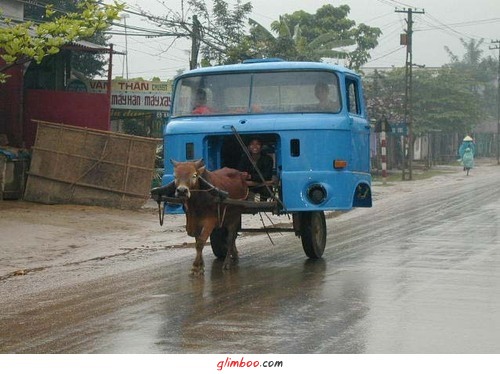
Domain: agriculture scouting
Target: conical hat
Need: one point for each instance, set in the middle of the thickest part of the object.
(467, 139)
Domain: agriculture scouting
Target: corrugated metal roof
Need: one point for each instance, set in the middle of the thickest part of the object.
(83, 45)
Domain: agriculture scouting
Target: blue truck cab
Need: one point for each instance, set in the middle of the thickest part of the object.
(310, 116)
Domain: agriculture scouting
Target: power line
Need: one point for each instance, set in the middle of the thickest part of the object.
(389, 33)
(394, 3)
(378, 17)
(445, 27)
(387, 54)
(466, 23)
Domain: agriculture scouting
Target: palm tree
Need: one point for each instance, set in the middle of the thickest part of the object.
(473, 53)
(291, 45)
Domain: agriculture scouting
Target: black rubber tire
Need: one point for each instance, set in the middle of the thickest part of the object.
(313, 233)
(218, 239)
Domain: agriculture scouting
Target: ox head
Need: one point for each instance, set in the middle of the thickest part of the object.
(186, 176)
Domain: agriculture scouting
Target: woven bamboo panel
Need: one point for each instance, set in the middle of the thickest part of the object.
(75, 165)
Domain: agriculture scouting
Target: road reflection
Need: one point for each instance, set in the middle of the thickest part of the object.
(263, 309)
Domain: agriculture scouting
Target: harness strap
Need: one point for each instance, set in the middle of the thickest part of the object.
(161, 212)
(219, 219)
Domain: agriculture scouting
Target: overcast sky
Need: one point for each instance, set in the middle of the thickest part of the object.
(443, 24)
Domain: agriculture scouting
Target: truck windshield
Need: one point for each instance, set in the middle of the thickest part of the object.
(257, 92)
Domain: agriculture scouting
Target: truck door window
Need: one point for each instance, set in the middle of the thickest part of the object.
(352, 96)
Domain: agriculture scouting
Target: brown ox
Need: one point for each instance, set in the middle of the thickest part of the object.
(204, 213)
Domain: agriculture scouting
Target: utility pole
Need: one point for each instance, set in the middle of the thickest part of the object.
(125, 61)
(497, 46)
(406, 39)
(195, 43)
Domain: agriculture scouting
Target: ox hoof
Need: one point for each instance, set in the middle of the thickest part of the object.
(228, 263)
(197, 272)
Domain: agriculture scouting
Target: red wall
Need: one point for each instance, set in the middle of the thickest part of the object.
(70, 108)
(11, 106)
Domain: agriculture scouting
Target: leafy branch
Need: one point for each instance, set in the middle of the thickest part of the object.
(27, 41)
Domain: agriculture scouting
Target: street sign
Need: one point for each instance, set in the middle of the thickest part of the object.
(136, 94)
(400, 129)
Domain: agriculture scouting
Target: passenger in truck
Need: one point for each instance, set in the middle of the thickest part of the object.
(264, 164)
(321, 92)
(200, 103)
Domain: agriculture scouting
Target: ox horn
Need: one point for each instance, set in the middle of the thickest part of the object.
(199, 163)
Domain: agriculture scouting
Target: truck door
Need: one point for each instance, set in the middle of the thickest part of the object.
(360, 128)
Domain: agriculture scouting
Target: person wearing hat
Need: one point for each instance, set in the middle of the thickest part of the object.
(468, 149)
(264, 164)
(467, 142)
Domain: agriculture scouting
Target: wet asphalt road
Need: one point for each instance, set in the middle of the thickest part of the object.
(417, 273)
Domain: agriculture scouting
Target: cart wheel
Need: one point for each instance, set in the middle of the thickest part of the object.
(313, 233)
(218, 239)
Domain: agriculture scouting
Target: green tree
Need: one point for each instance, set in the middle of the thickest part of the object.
(489, 93)
(313, 37)
(132, 126)
(217, 31)
(88, 64)
(472, 56)
(287, 44)
(441, 99)
(482, 72)
(221, 33)
(444, 101)
(385, 95)
(22, 42)
(225, 32)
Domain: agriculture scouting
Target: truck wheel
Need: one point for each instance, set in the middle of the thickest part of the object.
(218, 239)
(313, 233)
